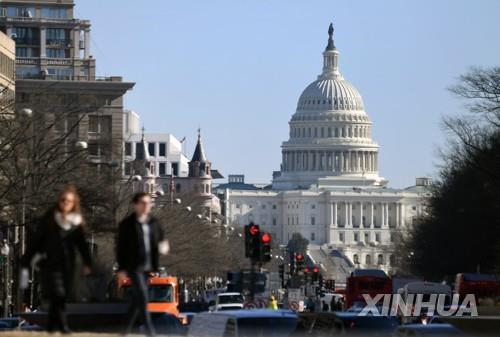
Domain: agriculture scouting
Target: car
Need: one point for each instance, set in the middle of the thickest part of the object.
(244, 323)
(428, 330)
(9, 323)
(329, 324)
(228, 301)
(373, 325)
(12, 323)
(166, 324)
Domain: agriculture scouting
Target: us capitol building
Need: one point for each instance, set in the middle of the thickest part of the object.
(328, 188)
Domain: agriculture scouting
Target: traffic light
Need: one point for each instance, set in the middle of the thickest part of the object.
(315, 274)
(281, 272)
(307, 273)
(299, 261)
(265, 247)
(252, 241)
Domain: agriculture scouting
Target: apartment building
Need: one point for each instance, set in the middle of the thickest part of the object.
(7, 73)
(56, 75)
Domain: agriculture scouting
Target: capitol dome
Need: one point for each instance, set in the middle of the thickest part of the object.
(333, 93)
(330, 140)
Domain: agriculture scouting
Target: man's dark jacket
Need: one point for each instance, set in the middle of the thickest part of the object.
(130, 250)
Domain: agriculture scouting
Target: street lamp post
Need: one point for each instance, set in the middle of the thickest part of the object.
(5, 252)
(20, 232)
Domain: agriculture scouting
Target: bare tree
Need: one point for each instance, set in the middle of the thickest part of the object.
(200, 247)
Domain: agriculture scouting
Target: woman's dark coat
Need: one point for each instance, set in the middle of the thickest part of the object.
(58, 249)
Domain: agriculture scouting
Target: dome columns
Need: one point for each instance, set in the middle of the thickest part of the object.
(341, 161)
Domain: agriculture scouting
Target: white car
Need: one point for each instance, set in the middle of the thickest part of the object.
(228, 301)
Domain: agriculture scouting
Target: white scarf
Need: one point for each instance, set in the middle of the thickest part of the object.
(70, 220)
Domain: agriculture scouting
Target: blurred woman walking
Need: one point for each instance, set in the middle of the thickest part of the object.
(57, 238)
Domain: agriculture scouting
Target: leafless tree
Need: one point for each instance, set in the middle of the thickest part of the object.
(199, 246)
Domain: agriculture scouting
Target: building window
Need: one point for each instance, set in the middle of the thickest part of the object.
(175, 169)
(99, 124)
(313, 236)
(377, 237)
(54, 12)
(162, 169)
(356, 236)
(151, 149)
(313, 206)
(128, 168)
(341, 237)
(380, 259)
(274, 206)
(26, 12)
(93, 124)
(163, 150)
(368, 259)
(178, 190)
(263, 206)
(355, 259)
(392, 260)
(313, 221)
(275, 221)
(128, 149)
(367, 237)
(56, 53)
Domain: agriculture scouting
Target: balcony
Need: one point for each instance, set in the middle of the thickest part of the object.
(32, 61)
(42, 76)
(58, 21)
(27, 41)
(63, 43)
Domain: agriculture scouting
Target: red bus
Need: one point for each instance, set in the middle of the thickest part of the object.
(483, 286)
(366, 281)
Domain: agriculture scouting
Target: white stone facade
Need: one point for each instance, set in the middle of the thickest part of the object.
(362, 222)
(328, 188)
(164, 149)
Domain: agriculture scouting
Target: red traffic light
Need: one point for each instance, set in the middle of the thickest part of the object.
(266, 238)
(306, 270)
(254, 230)
(315, 270)
(299, 257)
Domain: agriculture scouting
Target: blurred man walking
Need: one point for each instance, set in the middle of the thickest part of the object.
(139, 243)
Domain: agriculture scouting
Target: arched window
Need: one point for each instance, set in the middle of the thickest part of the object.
(368, 259)
(380, 259)
(355, 259)
(392, 260)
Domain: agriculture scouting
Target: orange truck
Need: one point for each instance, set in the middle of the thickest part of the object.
(163, 293)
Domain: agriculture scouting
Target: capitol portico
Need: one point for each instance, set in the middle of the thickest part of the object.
(328, 188)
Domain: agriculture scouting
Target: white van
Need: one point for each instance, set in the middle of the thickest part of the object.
(228, 301)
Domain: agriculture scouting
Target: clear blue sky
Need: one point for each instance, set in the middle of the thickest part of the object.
(237, 68)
